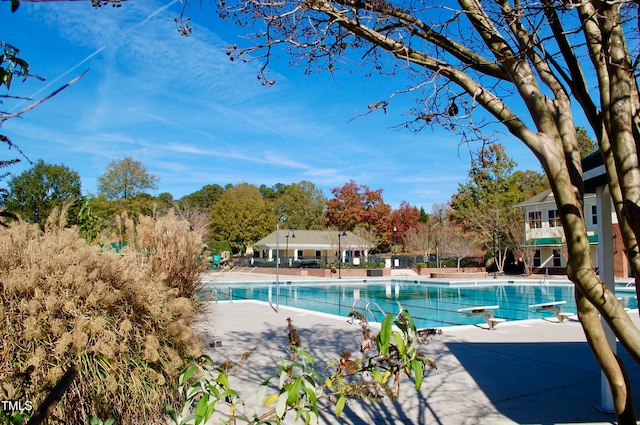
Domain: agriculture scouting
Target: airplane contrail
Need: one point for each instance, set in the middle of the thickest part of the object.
(90, 56)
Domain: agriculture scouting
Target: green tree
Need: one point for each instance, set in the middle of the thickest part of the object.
(271, 193)
(106, 210)
(521, 65)
(241, 217)
(125, 179)
(164, 201)
(203, 198)
(424, 217)
(34, 193)
(484, 205)
(586, 144)
(302, 206)
(529, 182)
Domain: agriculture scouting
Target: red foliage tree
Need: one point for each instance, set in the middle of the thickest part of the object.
(358, 206)
(404, 218)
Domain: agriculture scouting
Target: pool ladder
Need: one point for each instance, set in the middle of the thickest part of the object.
(367, 310)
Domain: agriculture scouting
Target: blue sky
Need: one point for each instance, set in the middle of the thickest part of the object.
(193, 118)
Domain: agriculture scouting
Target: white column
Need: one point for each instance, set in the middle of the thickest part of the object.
(605, 267)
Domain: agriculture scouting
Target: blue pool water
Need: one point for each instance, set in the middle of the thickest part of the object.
(430, 305)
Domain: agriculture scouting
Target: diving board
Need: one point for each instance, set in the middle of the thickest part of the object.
(487, 312)
(553, 306)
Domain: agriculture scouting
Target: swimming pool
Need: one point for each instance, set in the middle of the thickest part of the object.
(431, 305)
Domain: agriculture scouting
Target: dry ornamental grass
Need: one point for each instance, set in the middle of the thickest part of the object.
(121, 317)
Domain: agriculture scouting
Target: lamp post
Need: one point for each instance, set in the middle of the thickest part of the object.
(495, 255)
(293, 235)
(340, 234)
(277, 282)
(393, 261)
(437, 252)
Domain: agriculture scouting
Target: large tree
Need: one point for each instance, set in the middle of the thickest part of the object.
(483, 206)
(301, 205)
(356, 205)
(203, 198)
(241, 217)
(34, 193)
(125, 179)
(456, 243)
(521, 65)
(420, 238)
(403, 219)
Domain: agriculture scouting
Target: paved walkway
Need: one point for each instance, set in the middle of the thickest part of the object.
(530, 372)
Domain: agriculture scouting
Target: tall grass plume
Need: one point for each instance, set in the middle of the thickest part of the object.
(121, 317)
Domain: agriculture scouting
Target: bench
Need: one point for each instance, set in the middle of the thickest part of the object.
(486, 312)
(555, 307)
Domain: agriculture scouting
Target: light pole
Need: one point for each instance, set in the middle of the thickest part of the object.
(277, 282)
(437, 253)
(495, 255)
(340, 234)
(393, 261)
(293, 235)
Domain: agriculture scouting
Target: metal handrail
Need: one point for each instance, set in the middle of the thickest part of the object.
(367, 309)
(353, 308)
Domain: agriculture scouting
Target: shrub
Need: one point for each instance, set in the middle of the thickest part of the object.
(121, 318)
(169, 247)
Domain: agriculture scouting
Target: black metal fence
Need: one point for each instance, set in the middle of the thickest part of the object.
(373, 262)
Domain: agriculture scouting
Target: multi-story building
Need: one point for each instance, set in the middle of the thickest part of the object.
(545, 236)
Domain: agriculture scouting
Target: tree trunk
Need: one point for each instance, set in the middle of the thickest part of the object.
(610, 364)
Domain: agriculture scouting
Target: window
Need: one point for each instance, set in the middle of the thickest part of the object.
(535, 220)
(554, 218)
(594, 214)
(557, 258)
(537, 262)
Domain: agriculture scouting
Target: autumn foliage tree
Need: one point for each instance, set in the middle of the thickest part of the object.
(403, 219)
(518, 66)
(354, 206)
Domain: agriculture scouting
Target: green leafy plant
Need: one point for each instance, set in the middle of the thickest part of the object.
(94, 420)
(11, 65)
(300, 386)
(201, 391)
(18, 417)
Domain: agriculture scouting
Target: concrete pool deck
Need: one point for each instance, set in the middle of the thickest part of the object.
(528, 372)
